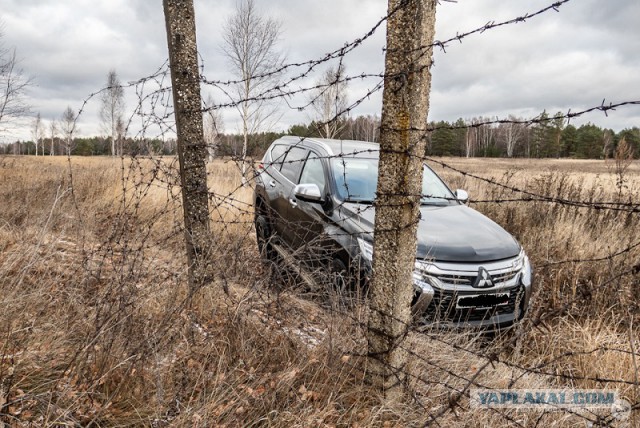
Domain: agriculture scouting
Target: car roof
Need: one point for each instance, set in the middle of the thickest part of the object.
(331, 146)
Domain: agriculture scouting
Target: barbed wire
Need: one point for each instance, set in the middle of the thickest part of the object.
(490, 26)
(246, 208)
(456, 381)
(132, 232)
(280, 91)
(603, 107)
(342, 52)
(630, 207)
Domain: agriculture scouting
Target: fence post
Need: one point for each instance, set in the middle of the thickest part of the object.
(192, 150)
(410, 31)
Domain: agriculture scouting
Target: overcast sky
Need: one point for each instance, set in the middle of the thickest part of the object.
(571, 59)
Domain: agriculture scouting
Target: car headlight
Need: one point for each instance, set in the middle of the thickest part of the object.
(518, 262)
(366, 249)
(522, 264)
(527, 272)
(421, 277)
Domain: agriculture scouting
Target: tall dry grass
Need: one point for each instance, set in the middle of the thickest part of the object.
(98, 326)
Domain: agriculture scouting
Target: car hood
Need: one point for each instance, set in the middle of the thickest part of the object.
(452, 233)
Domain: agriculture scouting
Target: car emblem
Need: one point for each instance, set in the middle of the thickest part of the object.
(483, 280)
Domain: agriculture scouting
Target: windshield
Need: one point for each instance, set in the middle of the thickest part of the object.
(356, 180)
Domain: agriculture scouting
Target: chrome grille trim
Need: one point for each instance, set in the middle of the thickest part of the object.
(461, 276)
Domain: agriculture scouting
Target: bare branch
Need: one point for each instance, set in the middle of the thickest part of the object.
(13, 86)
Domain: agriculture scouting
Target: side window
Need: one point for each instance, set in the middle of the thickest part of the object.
(293, 163)
(277, 155)
(313, 172)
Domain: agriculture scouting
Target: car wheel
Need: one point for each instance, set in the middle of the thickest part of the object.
(339, 276)
(345, 290)
(264, 237)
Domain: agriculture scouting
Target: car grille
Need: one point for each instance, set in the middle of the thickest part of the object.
(470, 279)
(443, 306)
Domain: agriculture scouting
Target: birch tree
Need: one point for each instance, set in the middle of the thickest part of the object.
(470, 141)
(37, 132)
(13, 87)
(121, 130)
(511, 134)
(330, 102)
(112, 109)
(362, 128)
(251, 46)
(53, 130)
(405, 104)
(213, 126)
(484, 133)
(68, 127)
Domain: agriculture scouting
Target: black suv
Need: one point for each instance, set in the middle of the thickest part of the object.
(314, 198)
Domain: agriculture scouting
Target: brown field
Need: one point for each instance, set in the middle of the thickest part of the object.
(99, 328)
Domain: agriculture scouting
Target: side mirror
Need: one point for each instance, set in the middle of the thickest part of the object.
(462, 196)
(308, 192)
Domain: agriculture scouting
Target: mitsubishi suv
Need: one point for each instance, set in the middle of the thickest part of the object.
(315, 201)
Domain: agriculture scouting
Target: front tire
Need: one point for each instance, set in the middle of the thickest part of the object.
(339, 276)
(264, 237)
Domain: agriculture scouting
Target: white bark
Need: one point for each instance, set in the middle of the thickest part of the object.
(37, 131)
(485, 134)
(511, 134)
(68, 127)
(330, 102)
(53, 130)
(112, 110)
(250, 44)
(471, 141)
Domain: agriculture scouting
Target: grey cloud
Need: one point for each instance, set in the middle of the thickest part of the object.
(571, 59)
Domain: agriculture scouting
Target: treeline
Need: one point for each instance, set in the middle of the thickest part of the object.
(224, 145)
(552, 138)
(549, 138)
(92, 146)
(229, 145)
(363, 128)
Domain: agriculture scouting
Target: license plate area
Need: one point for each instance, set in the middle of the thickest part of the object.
(482, 301)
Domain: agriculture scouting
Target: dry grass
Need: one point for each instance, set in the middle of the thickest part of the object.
(98, 327)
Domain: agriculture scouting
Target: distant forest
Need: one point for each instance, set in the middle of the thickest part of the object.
(552, 138)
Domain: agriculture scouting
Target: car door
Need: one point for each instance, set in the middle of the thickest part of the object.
(285, 180)
(270, 177)
(308, 218)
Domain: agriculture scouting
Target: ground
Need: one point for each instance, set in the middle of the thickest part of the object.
(98, 325)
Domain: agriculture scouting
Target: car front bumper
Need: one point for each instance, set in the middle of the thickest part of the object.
(446, 294)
